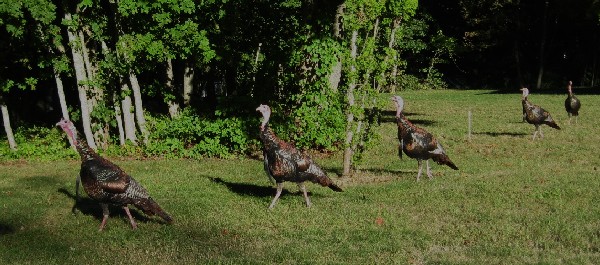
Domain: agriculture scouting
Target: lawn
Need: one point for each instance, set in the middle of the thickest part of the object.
(513, 200)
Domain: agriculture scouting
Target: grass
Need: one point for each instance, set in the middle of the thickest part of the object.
(513, 200)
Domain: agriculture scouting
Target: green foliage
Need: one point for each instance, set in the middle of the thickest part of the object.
(38, 143)
(317, 119)
(191, 136)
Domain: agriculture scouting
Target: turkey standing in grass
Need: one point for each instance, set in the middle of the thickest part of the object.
(418, 143)
(106, 183)
(572, 104)
(536, 115)
(283, 162)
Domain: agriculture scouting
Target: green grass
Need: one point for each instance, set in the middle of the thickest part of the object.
(513, 200)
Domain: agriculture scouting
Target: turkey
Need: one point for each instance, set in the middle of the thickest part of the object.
(536, 115)
(106, 183)
(283, 162)
(572, 104)
(418, 143)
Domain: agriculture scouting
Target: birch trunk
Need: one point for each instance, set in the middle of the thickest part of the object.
(542, 47)
(139, 108)
(348, 152)
(128, 117)
(119, 118)
(7, 128)
(97, 94)
(336, 69)
(61, 95)
(81, 77)
(172, 103)
(188, 83)
(391, 43)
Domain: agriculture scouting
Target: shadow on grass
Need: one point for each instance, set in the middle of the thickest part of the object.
(6, 229)
(87, 206)
(496, 134)
(247, 189)
(255, 190)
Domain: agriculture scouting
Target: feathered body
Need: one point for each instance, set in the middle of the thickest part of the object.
(106, 183)
(283, 162)
(572, 103)
(417, 143)
(536, 115)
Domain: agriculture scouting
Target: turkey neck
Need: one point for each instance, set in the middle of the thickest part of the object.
(84, 149)
(268, 137)
(403, 123)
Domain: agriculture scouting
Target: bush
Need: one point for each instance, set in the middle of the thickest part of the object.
(38, 143)
(190, 136)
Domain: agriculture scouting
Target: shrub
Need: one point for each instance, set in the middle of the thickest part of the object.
(39, 143)
(191, 136)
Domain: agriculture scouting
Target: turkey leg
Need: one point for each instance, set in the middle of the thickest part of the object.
(131, 221)
(279, 189)
(420, 169)
(105, 213)
(428, 170)
(303, 189)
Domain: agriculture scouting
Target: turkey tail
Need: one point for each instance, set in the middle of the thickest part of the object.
(317, 175)
(553, 125)
(334, 187)
(451, 165)
(150, 207)
(445, 160)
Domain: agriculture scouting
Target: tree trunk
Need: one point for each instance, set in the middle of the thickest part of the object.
(336, 69)
(391, 43)
(7, 128)
(81, 77)
(128, 117)
(542, 47)
(139, 109)
(171, 102)
(348, 152)
(119, 118)
(97, 95)
(518, 64)
(188, 83)
(61, 95)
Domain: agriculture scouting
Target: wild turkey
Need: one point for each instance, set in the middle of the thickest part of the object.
(283, 162)
(572, 104)
(418, 143)
(106, 183)
(536, 115)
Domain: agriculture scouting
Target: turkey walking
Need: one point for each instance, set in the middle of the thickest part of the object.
(106, 183)
(536, 115)
(418, 143)
(572, 104)
(283, 162)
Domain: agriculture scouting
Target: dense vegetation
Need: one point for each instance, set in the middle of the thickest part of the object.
(513, 201)
(181, 78)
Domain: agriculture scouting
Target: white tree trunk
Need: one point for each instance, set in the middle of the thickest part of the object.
(348, 152)
(119, 118)
(188, 83)
(139, 109)
(128, 117)
(61, 95)
(97, 94)
(172, 103)
(81, 76)
(7, 128)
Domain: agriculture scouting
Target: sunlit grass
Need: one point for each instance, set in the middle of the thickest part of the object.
(513, 200)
